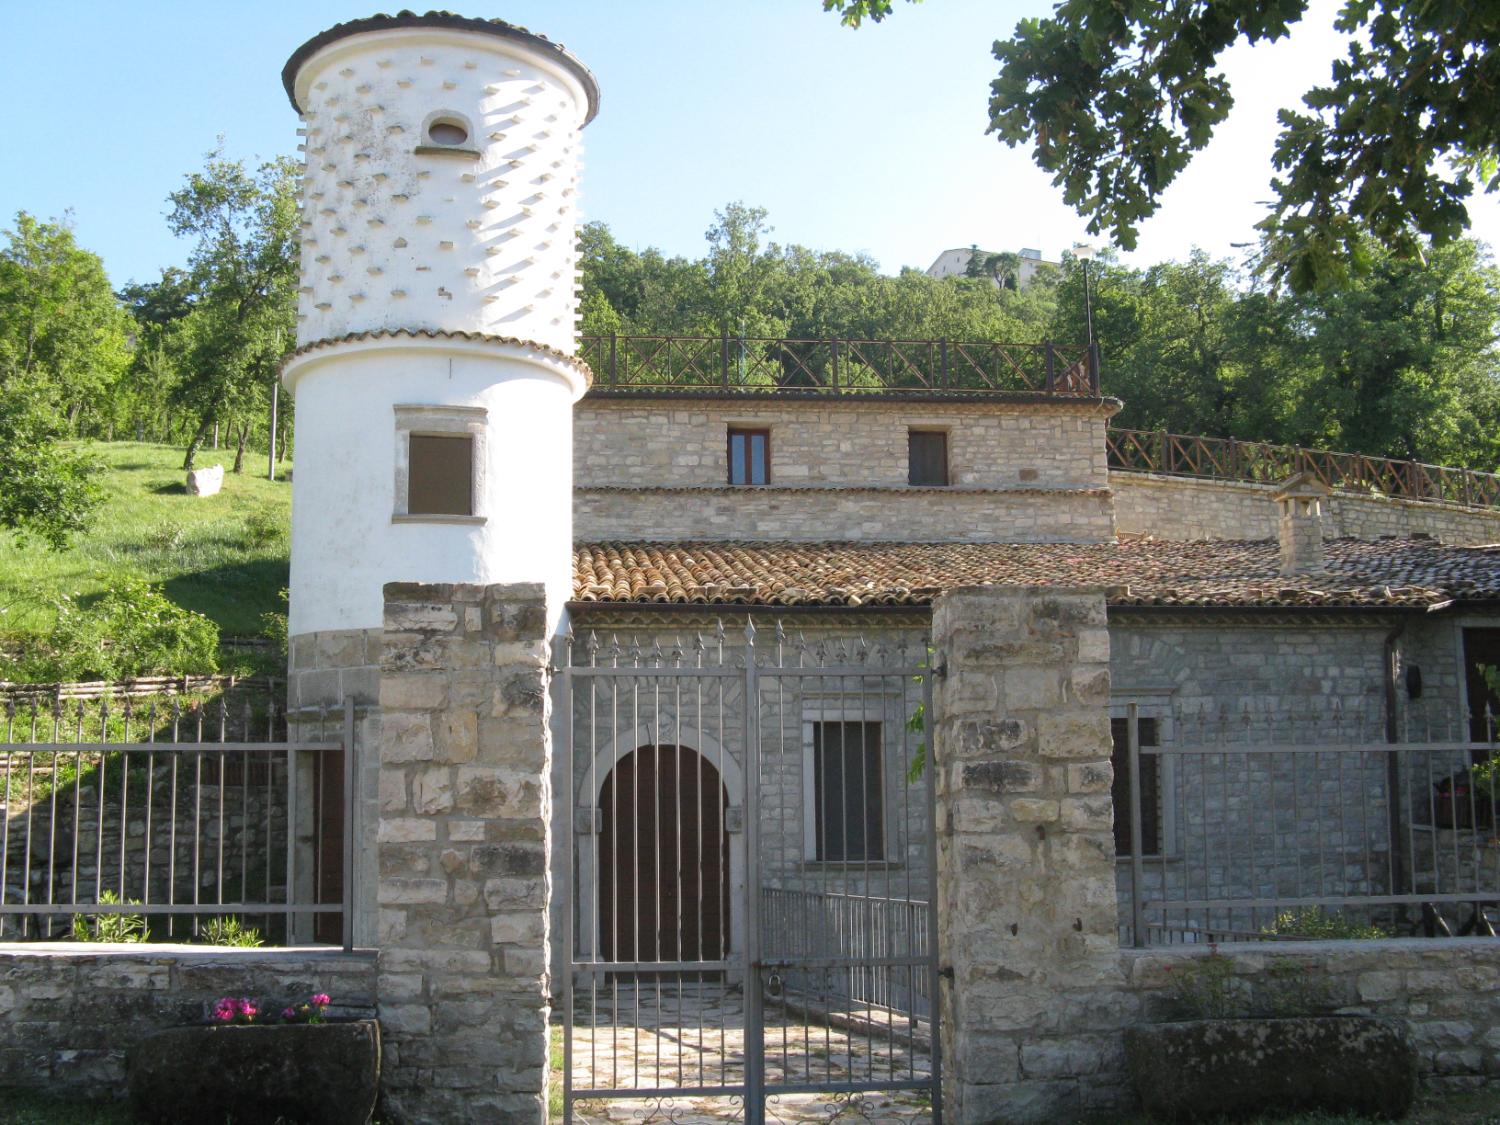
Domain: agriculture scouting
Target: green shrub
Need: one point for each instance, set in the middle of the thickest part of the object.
(1312, 924)
(132, 630)
(231, 932)
(266, 528)
(273, 626)
(110, 927)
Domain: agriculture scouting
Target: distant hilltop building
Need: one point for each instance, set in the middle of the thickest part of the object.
(955, 263)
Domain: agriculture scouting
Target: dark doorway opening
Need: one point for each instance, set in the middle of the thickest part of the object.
(664, 858)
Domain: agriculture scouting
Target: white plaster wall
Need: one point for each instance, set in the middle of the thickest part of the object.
(394, 239)
(345, 546)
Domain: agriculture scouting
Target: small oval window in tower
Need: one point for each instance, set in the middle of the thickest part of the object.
(447, 133)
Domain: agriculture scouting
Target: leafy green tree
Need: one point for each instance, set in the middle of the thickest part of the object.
(739, 272)
(1115, 97)
(61, 330)
(1003, 268)
(244, 272)
(62, 348)
(46, 489)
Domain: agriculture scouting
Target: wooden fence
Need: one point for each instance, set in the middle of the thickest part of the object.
(1185, 455)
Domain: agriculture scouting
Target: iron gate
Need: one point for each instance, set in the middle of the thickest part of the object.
(750, 920)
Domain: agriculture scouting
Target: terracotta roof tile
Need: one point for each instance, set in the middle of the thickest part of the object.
(1412, 573)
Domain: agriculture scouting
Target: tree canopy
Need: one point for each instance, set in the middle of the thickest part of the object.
(62, 347)
(1116, 96)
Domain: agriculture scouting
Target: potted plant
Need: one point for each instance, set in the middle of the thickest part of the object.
(259, 1065)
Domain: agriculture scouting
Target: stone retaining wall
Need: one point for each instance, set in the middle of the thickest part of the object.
(68, 1015)
(1184, 508)
(894, 514)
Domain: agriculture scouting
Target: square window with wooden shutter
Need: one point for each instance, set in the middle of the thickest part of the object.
(1148, 734)
(441, 475)
(927, 457)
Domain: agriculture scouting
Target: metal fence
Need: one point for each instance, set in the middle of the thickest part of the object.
(751, 865)
(151, 819)
(1245, 833)
(837, 367)
(1187, 455)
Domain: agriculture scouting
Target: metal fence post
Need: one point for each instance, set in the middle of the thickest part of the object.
(349, 806)
(614, 379)
(1137, 841)
(755, 1079)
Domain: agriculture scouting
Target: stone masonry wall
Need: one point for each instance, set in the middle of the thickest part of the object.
(465, 756)
(69, 1015)
(630, 443)
(1040, 992)
(895, 514)
(1183, 508)
(1026, 896)
(838, 470)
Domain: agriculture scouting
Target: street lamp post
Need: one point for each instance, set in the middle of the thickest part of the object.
(1084, 253)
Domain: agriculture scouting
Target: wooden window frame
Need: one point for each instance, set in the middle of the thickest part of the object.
(935, 431)
(748, 432)
(440, 421)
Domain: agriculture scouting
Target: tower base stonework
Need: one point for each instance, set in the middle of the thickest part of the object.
(463, 849)
(1026, 883)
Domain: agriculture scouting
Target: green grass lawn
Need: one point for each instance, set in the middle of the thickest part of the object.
(224, 556)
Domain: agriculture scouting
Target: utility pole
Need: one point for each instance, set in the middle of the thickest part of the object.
(275, 402)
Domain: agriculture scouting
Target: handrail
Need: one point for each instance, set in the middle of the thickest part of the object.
(1211, 458)
(838, 367)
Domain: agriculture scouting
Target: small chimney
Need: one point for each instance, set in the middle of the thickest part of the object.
(1300, 499)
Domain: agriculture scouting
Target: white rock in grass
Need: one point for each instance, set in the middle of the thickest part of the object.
(205, 482)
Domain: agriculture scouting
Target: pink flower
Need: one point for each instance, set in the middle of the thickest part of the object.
(321, 1000)
(289, 1013)
(246, 1009)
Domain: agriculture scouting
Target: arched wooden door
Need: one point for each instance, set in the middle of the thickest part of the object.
(663, 858)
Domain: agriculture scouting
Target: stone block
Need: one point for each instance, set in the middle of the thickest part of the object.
(1074, 734)
(432, 790)
(405, 738)
(406, 830)
(1001, 777)
(205, 482)
(415, 691)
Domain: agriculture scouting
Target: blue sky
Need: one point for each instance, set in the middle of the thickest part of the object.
(870, 140)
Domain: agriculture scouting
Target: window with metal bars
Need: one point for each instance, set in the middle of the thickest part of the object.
(749, 456)
(848, 791)
(1148, 734)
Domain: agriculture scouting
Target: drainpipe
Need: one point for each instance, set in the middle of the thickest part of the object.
(1392, 763)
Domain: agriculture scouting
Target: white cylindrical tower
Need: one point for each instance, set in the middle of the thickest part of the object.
(437, 319)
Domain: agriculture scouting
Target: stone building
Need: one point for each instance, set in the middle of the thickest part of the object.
(706, 750)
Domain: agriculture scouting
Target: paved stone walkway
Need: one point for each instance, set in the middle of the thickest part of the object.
(666, 1037)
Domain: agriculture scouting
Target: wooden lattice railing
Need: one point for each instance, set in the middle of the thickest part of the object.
(768, 365)
(1184, 455)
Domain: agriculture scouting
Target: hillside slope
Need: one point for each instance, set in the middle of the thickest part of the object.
(224, 556)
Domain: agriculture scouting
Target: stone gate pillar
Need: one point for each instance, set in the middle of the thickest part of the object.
(462, 849)
(1026, 887)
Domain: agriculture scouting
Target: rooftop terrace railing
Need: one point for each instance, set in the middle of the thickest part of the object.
(1210, 458)
(770, 365)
